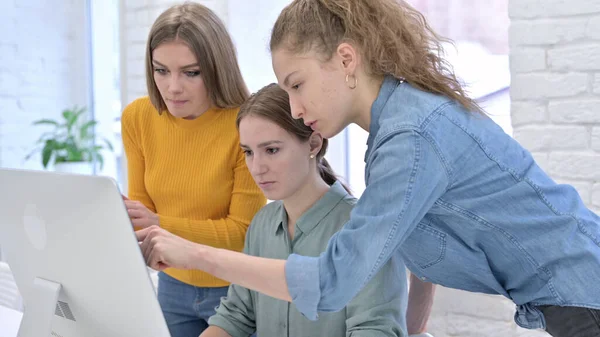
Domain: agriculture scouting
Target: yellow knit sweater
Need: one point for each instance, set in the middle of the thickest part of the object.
(192, 173)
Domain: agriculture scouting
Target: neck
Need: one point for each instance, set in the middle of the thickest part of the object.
(366, 95)
(204, 108)
(197, 114)
(303, 199)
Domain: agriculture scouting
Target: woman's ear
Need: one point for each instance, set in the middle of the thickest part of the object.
(349, 57)
(315, 142)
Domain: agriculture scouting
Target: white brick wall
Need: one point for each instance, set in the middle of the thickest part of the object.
(558, 9)
(555, 67)
(43, 70)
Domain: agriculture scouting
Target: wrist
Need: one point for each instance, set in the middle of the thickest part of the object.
(416, 332)
(203, 258)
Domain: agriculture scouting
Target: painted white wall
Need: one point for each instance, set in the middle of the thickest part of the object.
(43, 69)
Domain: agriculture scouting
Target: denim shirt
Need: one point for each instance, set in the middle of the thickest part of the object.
(465, 206)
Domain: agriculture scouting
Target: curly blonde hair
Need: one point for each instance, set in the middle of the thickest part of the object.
(392, 36)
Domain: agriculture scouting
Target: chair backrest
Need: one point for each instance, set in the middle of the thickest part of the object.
(9, 293)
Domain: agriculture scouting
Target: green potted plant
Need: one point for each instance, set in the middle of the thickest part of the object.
(70, 145)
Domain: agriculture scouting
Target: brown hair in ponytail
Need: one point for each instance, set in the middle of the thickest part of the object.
(272, 103)
(327, 172)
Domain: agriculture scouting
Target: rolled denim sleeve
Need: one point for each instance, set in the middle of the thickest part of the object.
(405, 176)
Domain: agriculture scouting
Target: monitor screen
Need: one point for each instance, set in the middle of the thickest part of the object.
(75, 258)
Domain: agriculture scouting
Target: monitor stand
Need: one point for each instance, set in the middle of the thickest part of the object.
(37, 316)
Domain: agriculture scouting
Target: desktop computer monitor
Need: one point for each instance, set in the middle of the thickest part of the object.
(75, 258)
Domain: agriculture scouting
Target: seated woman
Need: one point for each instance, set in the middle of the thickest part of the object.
(285, 158)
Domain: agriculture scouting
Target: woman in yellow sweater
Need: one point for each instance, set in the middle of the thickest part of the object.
(186, 171)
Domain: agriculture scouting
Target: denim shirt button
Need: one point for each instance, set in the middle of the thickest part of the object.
(424, 278)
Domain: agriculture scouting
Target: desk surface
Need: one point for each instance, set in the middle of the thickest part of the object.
(9, 322)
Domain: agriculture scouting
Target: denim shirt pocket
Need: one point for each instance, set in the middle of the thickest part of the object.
(426, 246)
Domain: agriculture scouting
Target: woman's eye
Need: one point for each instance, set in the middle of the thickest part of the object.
(160, 71)
(192, 73)
(272, 150)
(247, 153)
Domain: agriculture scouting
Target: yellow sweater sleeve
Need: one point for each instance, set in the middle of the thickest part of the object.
(229, 232)
(136, 167)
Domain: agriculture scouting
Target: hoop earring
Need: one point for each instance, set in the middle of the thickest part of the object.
(355, 82)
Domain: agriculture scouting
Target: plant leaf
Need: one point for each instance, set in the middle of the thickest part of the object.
(73, 152)
(30, 154)
(100, 160)
(84, 130)
(70, 141)
(72, 116)
(78, 111)
(47, 151)
(109, 145)
(45, 121)
(90, 153)
(89, 124)
(68, 115)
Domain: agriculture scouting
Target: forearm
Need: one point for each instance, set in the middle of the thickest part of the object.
(260, 274)
(375, 333)
(220, 233)
(420, 302)
(214, 331)
(385, 323)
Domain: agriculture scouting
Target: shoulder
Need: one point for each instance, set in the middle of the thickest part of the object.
(347, 203)
(140, 108)
(412, 108)
(224, 120)
(340, 213)
(228, 114)
(412, 112)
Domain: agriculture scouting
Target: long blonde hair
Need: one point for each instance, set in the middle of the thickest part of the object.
(393, 38)
(206, 36)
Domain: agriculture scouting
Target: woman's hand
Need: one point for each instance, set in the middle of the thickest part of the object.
(141, 217)
(162, 249)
